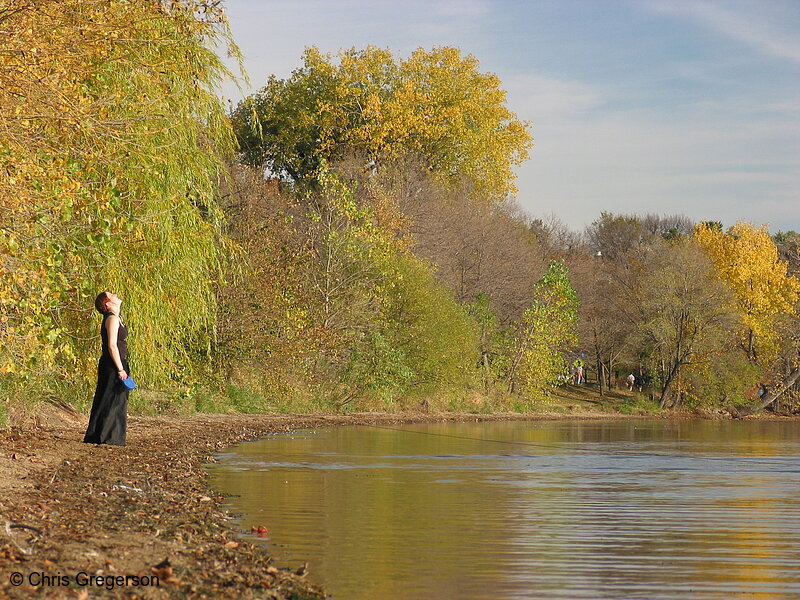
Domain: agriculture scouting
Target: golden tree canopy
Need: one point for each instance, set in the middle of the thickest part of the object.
(747, 260)
(435, 104)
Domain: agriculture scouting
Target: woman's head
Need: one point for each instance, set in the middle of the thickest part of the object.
(105, 301)
(100, 302)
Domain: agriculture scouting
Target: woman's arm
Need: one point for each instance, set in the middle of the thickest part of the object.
(112, 326)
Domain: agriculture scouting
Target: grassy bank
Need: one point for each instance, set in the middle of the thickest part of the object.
(41, 404)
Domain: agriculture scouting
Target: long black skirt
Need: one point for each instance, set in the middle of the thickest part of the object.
(108, 420)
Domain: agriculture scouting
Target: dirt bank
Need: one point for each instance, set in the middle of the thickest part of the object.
(71, 511)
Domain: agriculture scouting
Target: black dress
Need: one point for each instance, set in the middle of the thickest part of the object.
(109, 417)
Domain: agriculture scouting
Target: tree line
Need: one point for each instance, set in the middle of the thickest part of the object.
(344, 237)
(706, 315)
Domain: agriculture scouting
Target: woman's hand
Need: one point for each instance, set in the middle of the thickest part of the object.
(122, 374)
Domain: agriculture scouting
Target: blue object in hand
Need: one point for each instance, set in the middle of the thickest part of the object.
(129, 382)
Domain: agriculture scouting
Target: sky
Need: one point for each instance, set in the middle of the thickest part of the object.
(635, 106)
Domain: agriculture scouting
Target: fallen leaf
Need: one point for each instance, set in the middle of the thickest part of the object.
(302, 571)
(163, 570)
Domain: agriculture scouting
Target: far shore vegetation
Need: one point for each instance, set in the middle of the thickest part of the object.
(344, 239)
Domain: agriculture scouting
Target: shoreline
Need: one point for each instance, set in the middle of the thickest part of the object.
(127, 515)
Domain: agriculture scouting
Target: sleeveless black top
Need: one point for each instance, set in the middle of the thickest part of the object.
(122, 334)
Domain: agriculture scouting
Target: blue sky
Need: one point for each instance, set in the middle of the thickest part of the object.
(635, 106)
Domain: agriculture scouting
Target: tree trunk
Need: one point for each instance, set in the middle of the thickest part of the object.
(667, 381)
(487, 379)
(600, 376)
(770, 397)
(610, 370)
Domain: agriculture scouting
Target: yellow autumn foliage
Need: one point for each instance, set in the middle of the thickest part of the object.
(435, 105)
(112, 137)
(746, 259)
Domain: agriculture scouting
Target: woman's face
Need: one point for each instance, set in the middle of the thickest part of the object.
(113, 301)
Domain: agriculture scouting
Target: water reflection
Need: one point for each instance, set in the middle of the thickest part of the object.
(627, 509)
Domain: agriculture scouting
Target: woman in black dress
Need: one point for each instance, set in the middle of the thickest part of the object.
(109, 417)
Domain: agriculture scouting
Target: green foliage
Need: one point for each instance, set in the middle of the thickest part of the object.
(246, 399)
(494, 343)
(375, 366)
(546, 333)
(711, 225)
(6, 393)
(115, 145)
(727, 379)
(638, 404)
(389, 325)
(438, 337)
(114, 148)
(784, 237)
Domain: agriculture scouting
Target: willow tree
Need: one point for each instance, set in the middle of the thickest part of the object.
(435, 105)
(112, 138)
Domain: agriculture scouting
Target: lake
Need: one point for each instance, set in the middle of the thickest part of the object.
(529, 509)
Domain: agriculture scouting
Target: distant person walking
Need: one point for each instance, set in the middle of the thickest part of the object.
(631, 381)
(108, 420)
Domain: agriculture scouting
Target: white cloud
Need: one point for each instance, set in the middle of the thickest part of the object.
(538, 98)
(638, 163)
(790, 106)
(761, 25)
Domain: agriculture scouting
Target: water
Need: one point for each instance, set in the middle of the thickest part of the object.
(507, 510)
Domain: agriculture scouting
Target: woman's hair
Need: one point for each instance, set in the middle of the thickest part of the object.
(100, 302)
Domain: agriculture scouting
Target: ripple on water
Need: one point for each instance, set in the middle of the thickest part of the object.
(578, 510)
